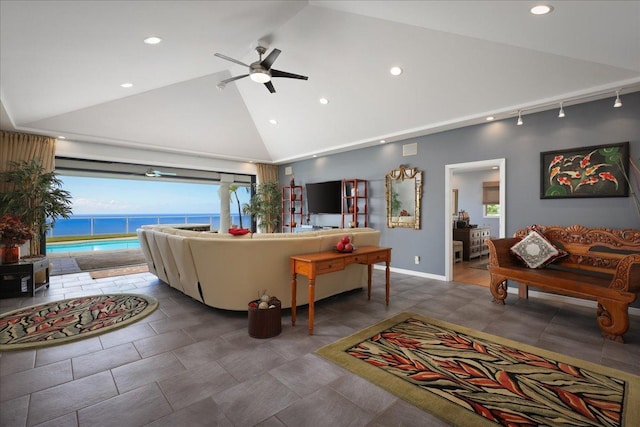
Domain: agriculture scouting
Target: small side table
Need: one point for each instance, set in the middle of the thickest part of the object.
(18, 279)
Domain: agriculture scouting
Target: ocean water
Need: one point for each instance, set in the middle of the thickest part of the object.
(90, 225)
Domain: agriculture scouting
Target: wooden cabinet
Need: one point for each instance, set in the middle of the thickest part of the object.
(472, 239)
(355, 213)
(291, 207)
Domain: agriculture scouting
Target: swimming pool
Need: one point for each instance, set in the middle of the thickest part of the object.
(93, 245)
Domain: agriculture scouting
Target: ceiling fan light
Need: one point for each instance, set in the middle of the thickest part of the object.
(150, 173)
(260, 76)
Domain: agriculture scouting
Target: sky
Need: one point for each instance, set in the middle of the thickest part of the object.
(124, 196)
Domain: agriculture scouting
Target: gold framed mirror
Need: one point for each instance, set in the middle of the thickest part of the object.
(403, 193)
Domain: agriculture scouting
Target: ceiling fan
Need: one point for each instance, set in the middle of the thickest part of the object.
(156, 173)
(260, 71)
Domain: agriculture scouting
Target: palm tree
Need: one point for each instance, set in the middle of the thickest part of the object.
(233, 189)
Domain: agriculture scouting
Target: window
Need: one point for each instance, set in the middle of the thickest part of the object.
(492, 210)
(491, 198)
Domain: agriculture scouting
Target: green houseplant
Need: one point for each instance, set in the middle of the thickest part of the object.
(264, 206)
(35, 196)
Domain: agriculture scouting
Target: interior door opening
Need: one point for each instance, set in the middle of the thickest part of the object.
(460, 168)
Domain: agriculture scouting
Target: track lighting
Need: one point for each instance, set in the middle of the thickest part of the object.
(561, 112)
(618, 103)
(519, 123)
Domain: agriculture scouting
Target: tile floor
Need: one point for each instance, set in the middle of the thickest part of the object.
(190, 365)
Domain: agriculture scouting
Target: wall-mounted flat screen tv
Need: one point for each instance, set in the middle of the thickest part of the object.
(324, 197)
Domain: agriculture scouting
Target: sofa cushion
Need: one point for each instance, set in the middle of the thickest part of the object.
(536, 251)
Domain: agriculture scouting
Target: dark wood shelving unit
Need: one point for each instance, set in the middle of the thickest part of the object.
(292, 207)
(355, 194)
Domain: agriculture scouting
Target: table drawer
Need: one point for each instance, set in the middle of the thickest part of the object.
(378, 257)
(329, 266)
(356, 259)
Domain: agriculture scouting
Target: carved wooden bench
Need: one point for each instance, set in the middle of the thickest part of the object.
(602, 265)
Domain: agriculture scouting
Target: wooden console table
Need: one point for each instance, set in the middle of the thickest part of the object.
(19, 279)
(315, 264)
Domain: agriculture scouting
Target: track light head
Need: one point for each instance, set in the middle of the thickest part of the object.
(519, 122)
(561, 112)
(618, 103)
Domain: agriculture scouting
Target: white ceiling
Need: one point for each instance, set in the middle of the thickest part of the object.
(62, 63)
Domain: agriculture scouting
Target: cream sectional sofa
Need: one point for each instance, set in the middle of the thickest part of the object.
(227, 272)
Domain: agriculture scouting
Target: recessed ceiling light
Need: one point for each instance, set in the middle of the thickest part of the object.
(153, 40)
(382, 141)
(542, 9)
(494, 167)
(62, 137)
(490, 118)
(324, 101)
(126, 85)
(273, 121)
(395, 71)
(315, 155)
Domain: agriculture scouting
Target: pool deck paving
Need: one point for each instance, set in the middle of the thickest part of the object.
(67, 263)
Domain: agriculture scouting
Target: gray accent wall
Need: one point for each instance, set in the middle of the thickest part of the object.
(586, 124)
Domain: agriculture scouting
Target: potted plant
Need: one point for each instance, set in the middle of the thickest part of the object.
(264, 206)
(13, 233)
(36, 197)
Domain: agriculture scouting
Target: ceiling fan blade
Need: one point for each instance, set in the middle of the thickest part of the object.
(277, 73)
(234, 78)
(219, 55)
(270, 59)
(269, 86)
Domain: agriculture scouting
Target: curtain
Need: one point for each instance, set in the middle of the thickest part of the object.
(491, 193)
(267, 173)
(16, 147)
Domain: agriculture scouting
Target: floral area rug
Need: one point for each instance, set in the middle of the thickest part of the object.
(470, 378)
(71, 319)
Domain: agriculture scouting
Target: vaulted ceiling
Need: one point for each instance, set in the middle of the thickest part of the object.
(62, 64)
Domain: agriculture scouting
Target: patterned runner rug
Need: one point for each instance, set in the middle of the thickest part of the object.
(470, 378)
(71, 319)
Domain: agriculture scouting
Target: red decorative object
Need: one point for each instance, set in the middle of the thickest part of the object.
(345, 245)
(10, 254)
(239, 231)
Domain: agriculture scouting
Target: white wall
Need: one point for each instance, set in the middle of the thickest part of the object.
(469, 185)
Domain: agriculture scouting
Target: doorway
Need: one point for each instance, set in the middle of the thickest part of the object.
(452, 169)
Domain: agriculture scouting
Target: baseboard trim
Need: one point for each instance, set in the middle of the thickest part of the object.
(411, 272)
(633, 311)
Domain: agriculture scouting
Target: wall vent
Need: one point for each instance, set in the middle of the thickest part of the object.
(410, 149)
